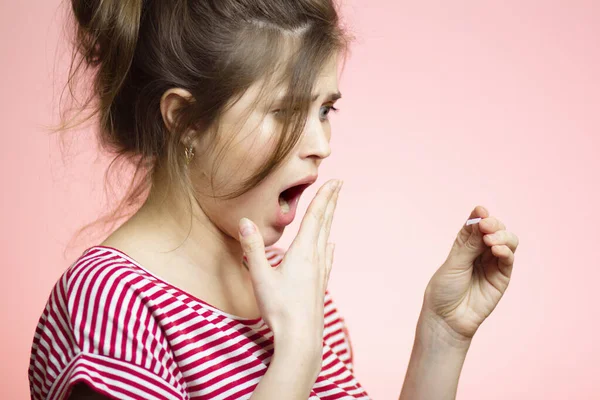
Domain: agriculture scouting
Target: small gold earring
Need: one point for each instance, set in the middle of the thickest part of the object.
(189, 154)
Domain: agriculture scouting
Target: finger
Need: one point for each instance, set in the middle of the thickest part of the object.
(487, 256)
(478, 212)
(328, 262)
(329, 213)
(253, 247)
(313, 219)
(468, 244)
(466, 230)
(506, 258)
(491, 225)
(502, 237)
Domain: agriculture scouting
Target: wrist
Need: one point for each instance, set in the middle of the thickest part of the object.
(301, 347)
(297, 336)
(291, 371)
(301, 356)
(436, 361)
(433, 332)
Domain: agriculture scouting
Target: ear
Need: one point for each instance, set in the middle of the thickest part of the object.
(171, 101)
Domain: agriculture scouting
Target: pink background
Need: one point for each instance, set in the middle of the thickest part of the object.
(446, 105)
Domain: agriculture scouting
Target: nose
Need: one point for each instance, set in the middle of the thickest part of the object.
(315, 140)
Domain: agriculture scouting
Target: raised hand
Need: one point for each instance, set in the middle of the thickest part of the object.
(467, 287)
(291, 296)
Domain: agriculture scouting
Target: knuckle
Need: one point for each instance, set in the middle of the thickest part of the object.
(501, 236)
(470, 245)
(317, 215)
(252, 245)
(516, 241)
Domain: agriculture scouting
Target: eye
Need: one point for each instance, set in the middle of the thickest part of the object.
(324, 112)
(327, 109)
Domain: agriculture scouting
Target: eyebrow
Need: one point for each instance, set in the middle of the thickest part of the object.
(330, 97)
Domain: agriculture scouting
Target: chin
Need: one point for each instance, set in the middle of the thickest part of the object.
(272, 235)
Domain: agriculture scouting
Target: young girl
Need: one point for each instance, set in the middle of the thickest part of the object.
(224, 104)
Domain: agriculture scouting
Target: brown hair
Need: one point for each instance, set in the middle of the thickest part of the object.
(136, 50)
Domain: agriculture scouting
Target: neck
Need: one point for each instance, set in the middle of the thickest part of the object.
(169, 222)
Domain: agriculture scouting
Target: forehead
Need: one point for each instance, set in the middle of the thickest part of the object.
(255, 103)
(326, 84)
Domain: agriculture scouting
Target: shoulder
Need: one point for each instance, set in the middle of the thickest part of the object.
(107, 294)
(100, 267)
(95, 329)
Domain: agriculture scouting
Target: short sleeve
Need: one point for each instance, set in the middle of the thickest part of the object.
(350, 349)
(336, 334)
(96, 328)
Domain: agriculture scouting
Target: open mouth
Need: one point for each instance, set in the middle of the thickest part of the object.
(289, 197)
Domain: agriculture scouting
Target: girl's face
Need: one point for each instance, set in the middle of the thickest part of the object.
(265, 204)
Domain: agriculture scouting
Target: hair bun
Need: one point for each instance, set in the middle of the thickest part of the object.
(107, 31)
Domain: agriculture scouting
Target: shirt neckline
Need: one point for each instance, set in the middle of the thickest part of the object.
(120, 253)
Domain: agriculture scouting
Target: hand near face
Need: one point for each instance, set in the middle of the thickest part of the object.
(291, 296)
(467, 287)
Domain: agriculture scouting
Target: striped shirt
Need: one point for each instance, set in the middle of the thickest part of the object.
(128, 334)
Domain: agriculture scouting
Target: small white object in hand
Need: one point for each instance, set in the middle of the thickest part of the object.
(473, 221)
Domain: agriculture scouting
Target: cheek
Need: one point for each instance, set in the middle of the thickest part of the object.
(255, 204)
(238, 159)
(243, 156)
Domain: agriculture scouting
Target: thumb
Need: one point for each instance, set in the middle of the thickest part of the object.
(253, 247)
(469, 242)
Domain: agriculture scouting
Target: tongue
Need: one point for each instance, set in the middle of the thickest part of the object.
(288, 202)
(287, 197)
(285, 206)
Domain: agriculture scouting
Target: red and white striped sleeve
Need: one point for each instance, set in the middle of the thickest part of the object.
(350, 349)
(98, 328)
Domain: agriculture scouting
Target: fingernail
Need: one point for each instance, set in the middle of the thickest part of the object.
(246, 227)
